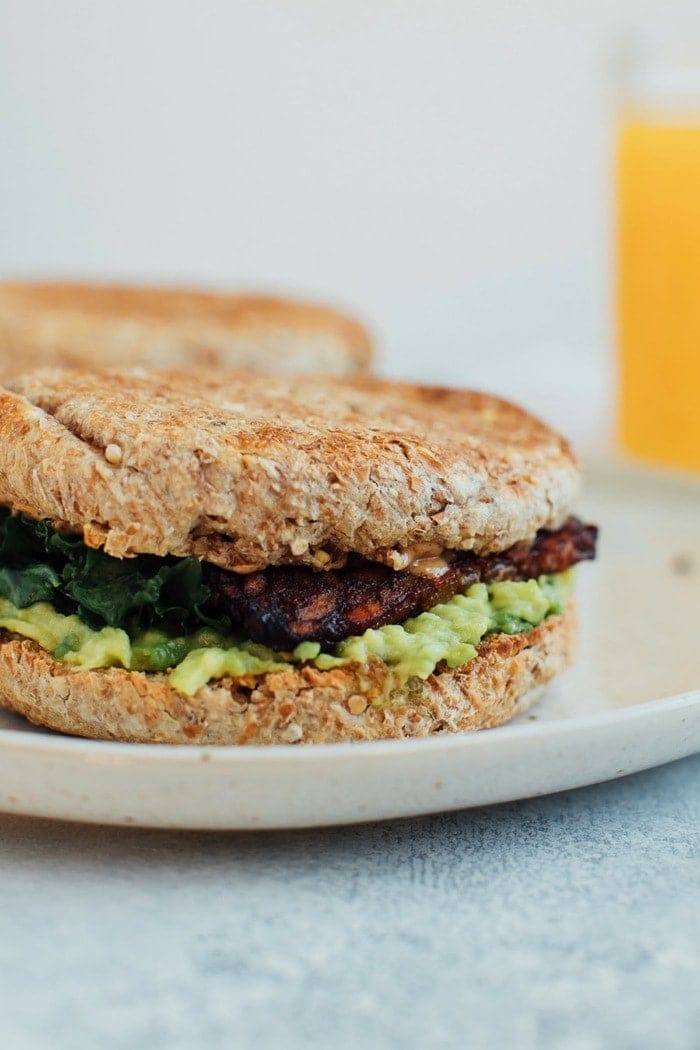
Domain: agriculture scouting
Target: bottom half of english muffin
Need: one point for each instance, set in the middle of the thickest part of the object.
(299, 705)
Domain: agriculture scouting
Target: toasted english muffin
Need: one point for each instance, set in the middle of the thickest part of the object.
(103, 325)
(253, 471)
(216, 557)
(289, 707)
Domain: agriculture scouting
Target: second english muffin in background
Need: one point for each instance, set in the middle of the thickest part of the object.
(97, 325)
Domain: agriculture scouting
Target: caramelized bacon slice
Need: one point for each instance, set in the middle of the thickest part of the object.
(285, 605)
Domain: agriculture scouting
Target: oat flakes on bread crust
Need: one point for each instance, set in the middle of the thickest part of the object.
(303, 705)
(93, 325)
(248, 471)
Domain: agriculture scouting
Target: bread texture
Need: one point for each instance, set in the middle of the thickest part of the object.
(91, 325)
(299, 706)
(249, 471)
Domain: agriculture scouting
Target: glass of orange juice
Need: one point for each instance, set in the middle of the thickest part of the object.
(658, 256)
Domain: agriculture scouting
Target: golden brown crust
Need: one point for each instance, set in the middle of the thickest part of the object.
(249, 471)
(305, 705)
(86, 325)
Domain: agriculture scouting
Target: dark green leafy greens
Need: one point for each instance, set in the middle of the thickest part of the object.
(39, 564)
(33, 583)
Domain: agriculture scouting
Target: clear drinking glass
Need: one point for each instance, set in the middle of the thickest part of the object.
(658, 251)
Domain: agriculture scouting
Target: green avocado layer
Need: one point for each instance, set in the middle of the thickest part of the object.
(447, 633)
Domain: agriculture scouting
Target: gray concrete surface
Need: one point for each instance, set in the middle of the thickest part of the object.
(571, 921)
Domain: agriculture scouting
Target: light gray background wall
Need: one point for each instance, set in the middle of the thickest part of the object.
(442, 166)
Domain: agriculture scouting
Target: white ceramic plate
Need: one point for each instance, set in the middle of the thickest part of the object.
(632, 702)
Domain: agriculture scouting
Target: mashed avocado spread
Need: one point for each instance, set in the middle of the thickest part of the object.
(447, 633)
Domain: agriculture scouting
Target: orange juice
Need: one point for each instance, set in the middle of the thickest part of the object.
(659, 290)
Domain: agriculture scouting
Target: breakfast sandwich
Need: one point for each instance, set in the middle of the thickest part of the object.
(102, 325)
(223, 558)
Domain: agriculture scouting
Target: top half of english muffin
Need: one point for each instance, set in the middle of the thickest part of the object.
(108, 325)
(249, 471)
